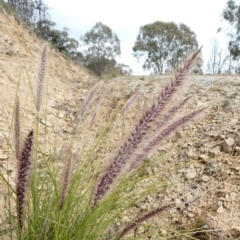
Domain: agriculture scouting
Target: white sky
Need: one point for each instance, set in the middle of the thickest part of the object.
(125, 17)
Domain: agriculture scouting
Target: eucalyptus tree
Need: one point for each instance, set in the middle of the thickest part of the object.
(101, 47)
(231, 14)
(163, 45)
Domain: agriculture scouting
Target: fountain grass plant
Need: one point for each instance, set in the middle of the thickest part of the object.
(88, 201)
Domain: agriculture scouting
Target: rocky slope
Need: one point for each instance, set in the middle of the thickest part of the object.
(205, 153)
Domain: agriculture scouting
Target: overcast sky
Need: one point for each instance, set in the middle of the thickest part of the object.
(125, 17)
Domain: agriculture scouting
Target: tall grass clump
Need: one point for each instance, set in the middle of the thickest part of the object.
(86, 198)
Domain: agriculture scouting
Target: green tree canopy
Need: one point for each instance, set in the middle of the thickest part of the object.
(62, 41)
(163, 45)
(59, 38)
(232, 15)
(43, 28)
(102, 46)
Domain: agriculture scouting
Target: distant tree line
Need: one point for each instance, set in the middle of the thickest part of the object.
(224, 59)
(161, 46)
(29, 11)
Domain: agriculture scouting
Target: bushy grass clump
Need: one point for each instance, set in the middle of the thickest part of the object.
(86, 201)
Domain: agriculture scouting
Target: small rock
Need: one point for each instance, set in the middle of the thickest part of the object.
(176, 220)
(220, 203)
(61, 115)
(203, 157)
(179, 204)
(144, 207)
(140, 230)
(220, 210)
(233, 196)
(230, 141)
(205, 178)
(179, 134)
(208, 127)
(3, 156)
(44, 122)
(215, 151)
(191, 153)
(10, 167)
(191, 175)
(191, 215)
(237, 151)
(227, 145)
(198, 145)
(163, 232)
(183, 170)
(68, 130)
(228, 171)
(189, 197)
(72, 104)
(3, 190)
